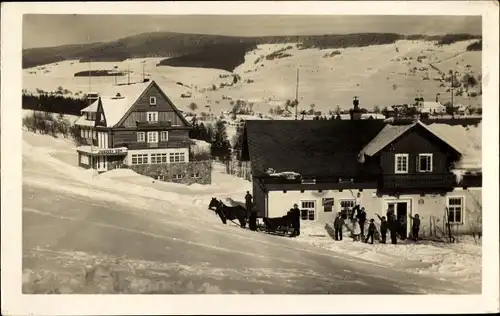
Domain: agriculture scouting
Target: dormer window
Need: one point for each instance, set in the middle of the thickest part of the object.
(401, 163)
(424, 163)
(152, 101)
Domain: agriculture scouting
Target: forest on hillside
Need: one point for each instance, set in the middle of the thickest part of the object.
(209, 51)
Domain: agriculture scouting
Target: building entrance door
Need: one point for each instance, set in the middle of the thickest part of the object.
(401, 210)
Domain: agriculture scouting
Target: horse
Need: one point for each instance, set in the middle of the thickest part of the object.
(229, 212)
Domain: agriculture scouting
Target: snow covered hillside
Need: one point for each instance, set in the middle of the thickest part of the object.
(380, 75)
(120, 232)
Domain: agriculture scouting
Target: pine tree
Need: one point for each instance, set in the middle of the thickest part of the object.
(221, 148)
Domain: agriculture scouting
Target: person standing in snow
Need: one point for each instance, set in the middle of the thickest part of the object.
(338, 225)
(371, 231)
(415, 226)
(295, 214)
(248, 203)
(252, 222)
(356, 230)
(383, 227)
(362, 220)
(402, 227)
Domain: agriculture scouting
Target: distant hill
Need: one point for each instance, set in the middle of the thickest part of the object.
(208, 51)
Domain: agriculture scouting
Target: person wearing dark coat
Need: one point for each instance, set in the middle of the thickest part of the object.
(394, 229)
(371, 231)
(362, 220)
(295, 213)
(338, 225)
(415, 226)
(252, 222)
(248, 203)
(402, 228)
(384, 225)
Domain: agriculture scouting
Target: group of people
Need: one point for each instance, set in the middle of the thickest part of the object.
(390, 224)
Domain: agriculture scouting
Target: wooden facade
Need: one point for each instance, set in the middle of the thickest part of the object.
(425, 186)
(151, 131)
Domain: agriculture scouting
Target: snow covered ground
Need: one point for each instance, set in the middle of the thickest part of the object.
(460, 261)
(378, 75)
(123, 232)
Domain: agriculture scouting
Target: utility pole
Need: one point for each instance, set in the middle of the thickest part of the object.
(91, 130)
(128, 74)
(143, 76)
(297, 95)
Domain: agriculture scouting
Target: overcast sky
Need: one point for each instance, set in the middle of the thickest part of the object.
(52, 30)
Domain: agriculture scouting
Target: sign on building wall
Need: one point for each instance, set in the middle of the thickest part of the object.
(328, 204)
(115, 151)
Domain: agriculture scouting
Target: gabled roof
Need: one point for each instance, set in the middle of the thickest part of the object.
(392, 132)
(116, 108)
(308, 147)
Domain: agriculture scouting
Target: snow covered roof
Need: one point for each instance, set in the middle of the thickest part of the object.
(82, 121)
(391, 132)
(117, 100)
(468, 140)
(384, 138)
(308, 147)
(432, 105)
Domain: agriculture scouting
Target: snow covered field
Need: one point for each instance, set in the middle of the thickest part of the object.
(378, 75)
(123, 232)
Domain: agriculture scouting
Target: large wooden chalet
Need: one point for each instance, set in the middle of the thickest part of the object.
(323, 165)
(138, 126)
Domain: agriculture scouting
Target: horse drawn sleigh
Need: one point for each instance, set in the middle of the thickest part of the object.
(284, 225)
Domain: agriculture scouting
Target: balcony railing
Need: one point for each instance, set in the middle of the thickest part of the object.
(145, 145)
(418, 181)
(152, 125)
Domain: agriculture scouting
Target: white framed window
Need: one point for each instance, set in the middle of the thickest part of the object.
(308, 210)
(82, 133)
(177, 157)
(164, 136)
(139, 159)
(177, 176)
(424, 163)
(401, 163)
(346, 207)
(84, 159)
(159, 158)
(152, 137)
(152, 116)
(152, 100)
(455, 209)
(195, 175)
(160, 178)
(141, 136)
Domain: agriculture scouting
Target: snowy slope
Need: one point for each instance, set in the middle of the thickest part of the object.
(379, 75)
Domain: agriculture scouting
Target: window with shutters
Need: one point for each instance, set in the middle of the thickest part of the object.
(424, 163)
